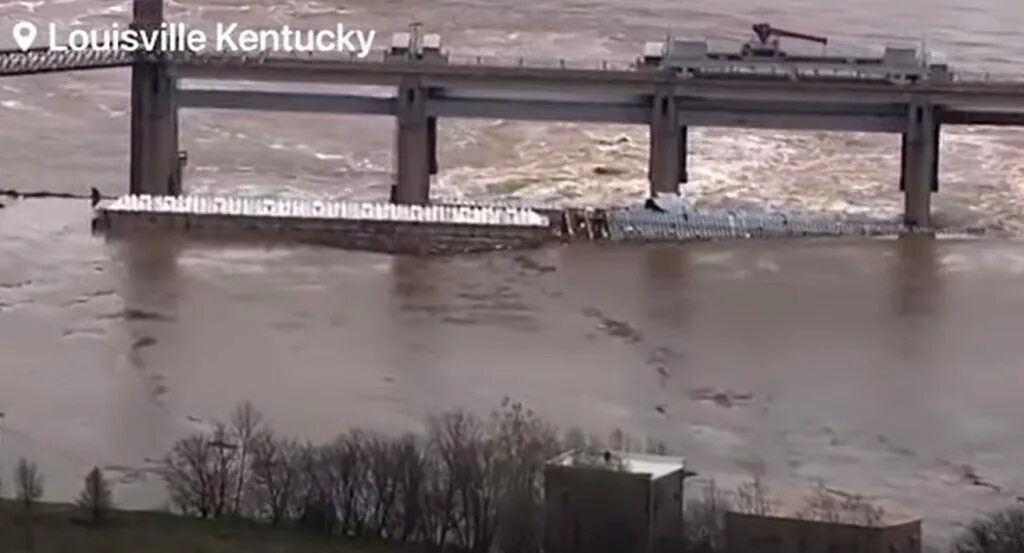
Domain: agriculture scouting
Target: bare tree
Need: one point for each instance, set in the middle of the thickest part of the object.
(96, 498)
(411, 468)
(382, 484)
(821, 505)
(999, 532)
(525, 443)
(468, 459)
(824, 505)
(754, 498)
(348, 462)
(225, 465)
(200, 472)
(29, 483)
(470, 485)
(439, 501)
(858, 510)
(30, 488)
(704, 517)
(187, 476)
(275, 472)
(318, 489)
(246, 425)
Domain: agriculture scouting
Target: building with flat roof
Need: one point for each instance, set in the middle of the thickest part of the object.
(615, 502)
(771, 534)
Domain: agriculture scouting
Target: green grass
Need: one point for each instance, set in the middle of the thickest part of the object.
(59, 528)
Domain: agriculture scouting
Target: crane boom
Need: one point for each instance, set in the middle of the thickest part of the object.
(764, 32)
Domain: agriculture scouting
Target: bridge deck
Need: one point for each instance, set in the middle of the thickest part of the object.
(965, 100)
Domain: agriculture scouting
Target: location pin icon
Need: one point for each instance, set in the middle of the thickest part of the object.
(25, 34)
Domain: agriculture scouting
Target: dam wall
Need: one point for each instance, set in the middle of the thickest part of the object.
(466, 228)
(387, 228)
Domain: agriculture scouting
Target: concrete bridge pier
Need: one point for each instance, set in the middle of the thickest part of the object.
(684, 172)
(154, 141)
(667, 146)
(919, 171)
(432, 146)
(415, 148)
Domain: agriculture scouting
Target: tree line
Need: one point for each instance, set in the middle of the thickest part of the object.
(469, 484)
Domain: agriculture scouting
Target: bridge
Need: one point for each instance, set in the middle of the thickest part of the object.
(668, 102)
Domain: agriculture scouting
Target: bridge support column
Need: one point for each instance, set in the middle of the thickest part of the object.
(919, 175)
(432, 139)
(154, 140)
(414, 150)
(684, 172)
(666, 143)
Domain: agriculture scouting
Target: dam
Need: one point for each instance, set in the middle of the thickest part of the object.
(672, 87)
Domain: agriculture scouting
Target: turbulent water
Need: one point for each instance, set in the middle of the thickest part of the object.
(891, 368)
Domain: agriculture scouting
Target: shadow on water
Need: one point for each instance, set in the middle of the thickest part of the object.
(150, 287)
(916, 293)
(415, 288)
(412, 279)
(917, 280)
(667, 274)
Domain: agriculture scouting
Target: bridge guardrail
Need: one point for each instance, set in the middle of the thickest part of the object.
(539, 63)
(463, 60)
(979, 77)
(43, 60)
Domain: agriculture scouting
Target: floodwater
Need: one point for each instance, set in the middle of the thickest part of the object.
(886, 367)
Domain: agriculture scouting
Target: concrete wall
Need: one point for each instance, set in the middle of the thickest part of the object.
(593, 510)
(749, 533)
(667, 512)
(378, 236)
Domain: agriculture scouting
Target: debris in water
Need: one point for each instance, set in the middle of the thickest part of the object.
(144, 342)
(612, 327)
(897, 449)
(722, 398)
(136, 315)
(968, 474)
(621, 139)
(605, 171)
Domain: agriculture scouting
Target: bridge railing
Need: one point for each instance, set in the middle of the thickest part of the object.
(539, 63)
(41, 60)
(38, 60)
(725, 70)
(381, 56)
(979, 77)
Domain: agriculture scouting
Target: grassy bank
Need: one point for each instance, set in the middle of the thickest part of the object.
(60, 528)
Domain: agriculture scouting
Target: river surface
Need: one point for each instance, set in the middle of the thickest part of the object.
(892, 368)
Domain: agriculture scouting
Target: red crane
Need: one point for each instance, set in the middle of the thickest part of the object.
(767, 42)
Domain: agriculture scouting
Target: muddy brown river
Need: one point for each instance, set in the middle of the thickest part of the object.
(892, 368)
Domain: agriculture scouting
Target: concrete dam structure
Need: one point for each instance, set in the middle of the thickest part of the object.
(452, 228)
(671, 87)
(380, 227)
